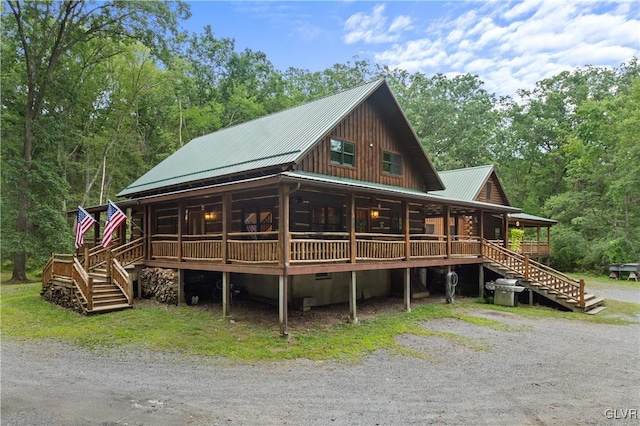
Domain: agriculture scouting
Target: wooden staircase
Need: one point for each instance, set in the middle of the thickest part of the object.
(107, 296)
(98, 279)
(541, 279)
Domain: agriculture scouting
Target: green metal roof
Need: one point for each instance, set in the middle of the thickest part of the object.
(464, 184)
(276, 140)
(532, 218)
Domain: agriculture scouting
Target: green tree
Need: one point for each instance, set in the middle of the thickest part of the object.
(41, 35)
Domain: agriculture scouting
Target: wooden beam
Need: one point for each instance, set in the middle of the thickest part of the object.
(351, 209)
(447, 229)
(407, 289)
(226, 224)
(180, 229)
(225, 294)
(505, 229)
(282, 304)
(353, 316)
(406, 228)
(480, 280)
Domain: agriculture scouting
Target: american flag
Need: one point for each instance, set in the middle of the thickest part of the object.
(114, 218)
(83, 224)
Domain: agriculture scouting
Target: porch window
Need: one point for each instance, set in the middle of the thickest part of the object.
(258, 220)
(326, 219)
(343, 152)
(391, 163)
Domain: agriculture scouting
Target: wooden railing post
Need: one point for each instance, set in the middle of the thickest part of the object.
(90, 294)
(581, 293)
(108, 263)
(526, 267)
(86, 258)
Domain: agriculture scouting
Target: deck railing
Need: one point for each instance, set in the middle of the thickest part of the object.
(464, 245)
(320, 247)
(253, 247)
(425, 246)
(380, 246)
(310, 247)
(164, 246)
(202, 247)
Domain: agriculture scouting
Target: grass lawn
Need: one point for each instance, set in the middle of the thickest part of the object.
(197, 331)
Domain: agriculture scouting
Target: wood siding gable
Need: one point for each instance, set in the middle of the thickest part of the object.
(497, 194)
(368, 128)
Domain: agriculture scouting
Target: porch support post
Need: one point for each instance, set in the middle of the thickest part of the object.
(226, 224)
(407, 289)
(505, 228)
(406, 229)
(447, 229)
(225, 294)
(351, 219)
(282, 304)
(481, 224)
(353, 317)
(96, 228)
(284, 236)
(480, 280)
(180, 298)
(180, 229)
(86, 257)
(147, 233)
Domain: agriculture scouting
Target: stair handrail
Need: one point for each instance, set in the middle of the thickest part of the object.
(83, 282)
(129, 253)
(120, 277)
(95, 257)
(533, 269)
(47, 272)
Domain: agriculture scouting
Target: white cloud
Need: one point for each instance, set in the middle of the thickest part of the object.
(513, 45)
(372, 28)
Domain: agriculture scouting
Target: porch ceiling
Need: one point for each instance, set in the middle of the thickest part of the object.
(346, 185)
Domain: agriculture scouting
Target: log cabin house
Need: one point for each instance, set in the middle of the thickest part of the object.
(331, 201)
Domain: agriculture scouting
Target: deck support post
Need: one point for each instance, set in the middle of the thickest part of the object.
(481, 280)
(225, 294)
(181, 296)
(407, 289)
(282, 304)
(353, 317)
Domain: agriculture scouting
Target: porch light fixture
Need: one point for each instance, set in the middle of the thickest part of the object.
(209, 215)
(375, 214)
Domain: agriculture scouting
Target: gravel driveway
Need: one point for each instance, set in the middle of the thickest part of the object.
(538, 371)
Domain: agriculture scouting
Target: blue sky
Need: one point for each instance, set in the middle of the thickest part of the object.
(509, 44)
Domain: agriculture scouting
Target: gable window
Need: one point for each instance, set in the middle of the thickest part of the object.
(343, 152)
(489, 191)
(391, 163)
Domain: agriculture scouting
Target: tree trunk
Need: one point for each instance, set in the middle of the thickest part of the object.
(22, 222)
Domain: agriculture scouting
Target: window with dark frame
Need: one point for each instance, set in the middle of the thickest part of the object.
(343, 152)
(391, 163)
(489, 191)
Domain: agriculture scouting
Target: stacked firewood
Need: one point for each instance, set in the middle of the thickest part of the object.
(160, 284)
(63, 297)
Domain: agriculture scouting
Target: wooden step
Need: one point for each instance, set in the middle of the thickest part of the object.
(593, 302)
(110, 308)
(595, 310)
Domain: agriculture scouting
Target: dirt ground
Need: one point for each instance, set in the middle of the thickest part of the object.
(535, 372)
